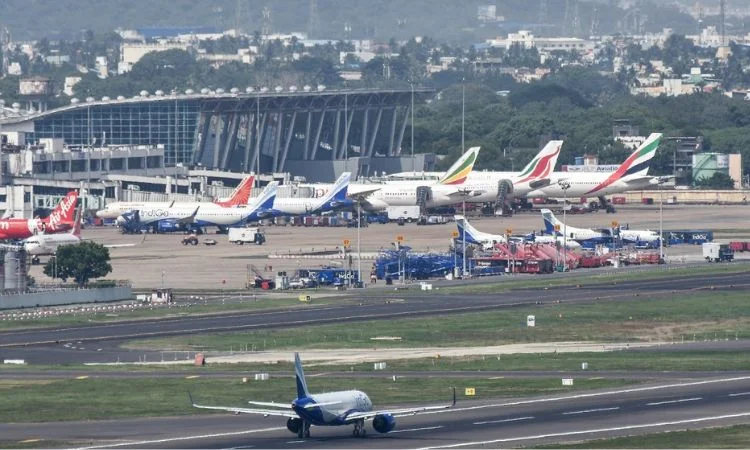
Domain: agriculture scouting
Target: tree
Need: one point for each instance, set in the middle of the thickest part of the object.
(718, 180)
(81, 262)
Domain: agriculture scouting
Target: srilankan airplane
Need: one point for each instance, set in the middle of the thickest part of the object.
(181, 216)
(488, 240)
(327, 409)
(239, 197)
(604, 235)
(332, 200)
(60, 219)
(632, 174)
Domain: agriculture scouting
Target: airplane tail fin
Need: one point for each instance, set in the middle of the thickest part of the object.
(241, 194)
(550, 221)
(461, 169)
(465, 229)
(267, 196)
(339, 189)
(64, 212)
(542, 165)
(299, 375)
(636, 165)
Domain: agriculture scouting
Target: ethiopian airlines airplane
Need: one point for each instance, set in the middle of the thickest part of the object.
(327, 409)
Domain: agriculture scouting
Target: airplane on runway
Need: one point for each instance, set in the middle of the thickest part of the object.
(327, 409)
(334, 199)
(488, 240)
(604, 235)
(239, 197)
(631, 175)
(60, 219)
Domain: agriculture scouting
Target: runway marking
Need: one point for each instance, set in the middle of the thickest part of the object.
(515, 419)
(738, 394)
(595, 430)
(82, 377)
(682, 400)
(593, 394)
(415, 429)
(190, 377)
(182, 438)
(295, 442)
(29, 441)
(586, 411)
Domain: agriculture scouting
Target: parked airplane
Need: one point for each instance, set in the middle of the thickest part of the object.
(604, 235)
(327, 409)
(239, 197)
(632, 174)
(334, 199)
(60, 219)
(182, 216)
(488, 240)
(47, 244)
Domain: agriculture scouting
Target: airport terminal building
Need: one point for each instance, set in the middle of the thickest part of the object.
(315, 133)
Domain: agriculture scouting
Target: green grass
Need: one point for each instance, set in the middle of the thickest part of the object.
(505, 284)
(209, 306)
(91, 398)
(737, 436)
(699, 316)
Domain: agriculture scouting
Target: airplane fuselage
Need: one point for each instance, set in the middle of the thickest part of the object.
(335, 406)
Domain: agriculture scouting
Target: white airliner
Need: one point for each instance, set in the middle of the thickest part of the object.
(631, 175)
(239, 197)
(488, 240)
(332, 200)
(585, 234)
(328, 409)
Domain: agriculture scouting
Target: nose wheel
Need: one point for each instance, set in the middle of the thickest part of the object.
(359, 428)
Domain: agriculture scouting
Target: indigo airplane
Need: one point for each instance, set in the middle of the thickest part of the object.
(328, 409)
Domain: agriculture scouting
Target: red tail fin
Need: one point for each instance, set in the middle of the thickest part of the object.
(62, 216)
(241, 193)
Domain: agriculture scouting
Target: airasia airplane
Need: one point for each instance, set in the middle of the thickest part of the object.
(61, 219)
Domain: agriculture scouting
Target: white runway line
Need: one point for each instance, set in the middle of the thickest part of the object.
(595, 430)
(515, 419)
(682, 400)
(586, 411)
(182, 438)
(415, 429)
(738, 394)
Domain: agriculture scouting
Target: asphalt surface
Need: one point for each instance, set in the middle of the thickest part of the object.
(499, 423)
(100, 343)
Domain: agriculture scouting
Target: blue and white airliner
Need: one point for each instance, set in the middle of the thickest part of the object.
(603, 235)
(488, 240)
(328, 409)
(333, 200)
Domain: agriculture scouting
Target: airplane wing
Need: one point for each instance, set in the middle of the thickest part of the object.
(364, 193)
(236, 410)
(366, 415)
(191, 217)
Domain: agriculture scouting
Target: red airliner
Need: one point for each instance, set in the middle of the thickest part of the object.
(61, 219)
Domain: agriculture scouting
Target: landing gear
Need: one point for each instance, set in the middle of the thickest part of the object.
(359, 428)
(607, 205)
(304, 430)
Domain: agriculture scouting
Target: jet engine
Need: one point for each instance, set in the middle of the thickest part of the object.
(294, 424)
(383, 423)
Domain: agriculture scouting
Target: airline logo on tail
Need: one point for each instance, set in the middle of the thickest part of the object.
(543, 164)
(264, 203)
(299, 375)
(64, 212)
(241, 194)
(461, 169)
(550, 221)
(637, 162)
(336, 197)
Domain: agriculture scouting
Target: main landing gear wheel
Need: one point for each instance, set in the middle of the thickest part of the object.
(304, 430)
(359, 428)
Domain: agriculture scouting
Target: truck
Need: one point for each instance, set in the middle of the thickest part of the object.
(408, 213)
(713, 251)
(246, 235)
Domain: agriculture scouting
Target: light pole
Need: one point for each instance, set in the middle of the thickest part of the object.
(163, 273)
(661, 222)
(565, 185)
(463, 113)
(463, 238)
(346, 126)
(413, 168)
(359, 253)
(257, 139)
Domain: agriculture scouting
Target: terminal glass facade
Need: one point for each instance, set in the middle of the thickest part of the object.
(171, 123)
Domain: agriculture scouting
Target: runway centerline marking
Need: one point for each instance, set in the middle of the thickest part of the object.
(594, 394)
(586, 411)
(738, 394)
(515, 419)
(682, 400)
(594, 430)
(182, 438)
(295, 442)
(416, 429)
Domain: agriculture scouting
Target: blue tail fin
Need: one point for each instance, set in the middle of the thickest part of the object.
(299, 375)
(549, 219)
(339, 190)
(267, 197)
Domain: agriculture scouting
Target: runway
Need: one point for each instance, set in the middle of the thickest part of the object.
(512, 423)
(100, 343)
